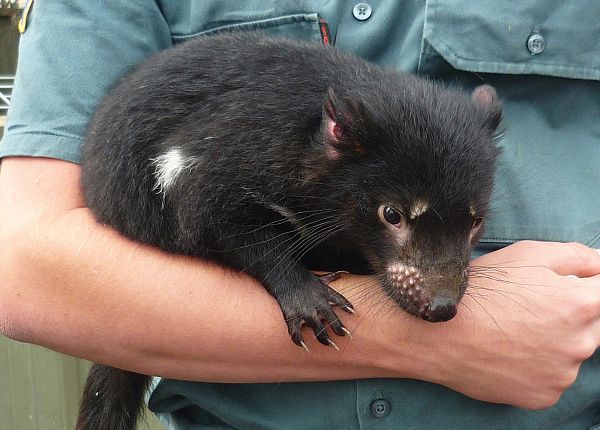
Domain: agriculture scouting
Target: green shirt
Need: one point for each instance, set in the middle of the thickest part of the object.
(542, 57)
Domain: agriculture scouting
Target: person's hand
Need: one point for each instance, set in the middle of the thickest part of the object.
(529, 319)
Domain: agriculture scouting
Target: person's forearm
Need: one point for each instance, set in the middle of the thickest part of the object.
(82, 289)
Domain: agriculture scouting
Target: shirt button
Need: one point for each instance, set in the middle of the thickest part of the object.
(362, 11)
(536, 43)
(380, 408)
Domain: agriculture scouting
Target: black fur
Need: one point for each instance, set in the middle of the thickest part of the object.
(112, 399)
(295, 147)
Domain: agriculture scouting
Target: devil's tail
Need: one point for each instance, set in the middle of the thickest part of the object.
(113, 399)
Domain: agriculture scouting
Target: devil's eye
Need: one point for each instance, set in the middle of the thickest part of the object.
(477, 222)
(391, 215)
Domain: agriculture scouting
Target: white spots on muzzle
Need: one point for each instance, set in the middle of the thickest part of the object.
(399, 269)
(408, 283)
(168, 166)
(418, 208)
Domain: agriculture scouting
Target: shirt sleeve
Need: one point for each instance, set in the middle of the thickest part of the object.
(69, 55)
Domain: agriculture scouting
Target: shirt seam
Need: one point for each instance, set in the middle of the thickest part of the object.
(43, 133)
(358, 415)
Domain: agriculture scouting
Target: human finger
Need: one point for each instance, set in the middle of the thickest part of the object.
(567, 258)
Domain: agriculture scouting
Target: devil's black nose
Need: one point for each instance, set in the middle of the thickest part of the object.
(440, 309)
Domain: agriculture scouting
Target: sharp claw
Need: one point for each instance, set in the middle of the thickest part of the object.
(304, 346)
(345, 330)
(349, 309)
(332, 343)
(332, 276)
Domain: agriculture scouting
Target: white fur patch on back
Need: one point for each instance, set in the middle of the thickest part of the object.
(418, 208)
(168, 166)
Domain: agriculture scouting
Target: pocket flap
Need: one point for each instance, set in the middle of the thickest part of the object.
(553, 38)
(304, 26)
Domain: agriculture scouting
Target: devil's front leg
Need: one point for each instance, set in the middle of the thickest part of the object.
(272, 256)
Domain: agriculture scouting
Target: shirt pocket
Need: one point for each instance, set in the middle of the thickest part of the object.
(295, 20)
(544, 60)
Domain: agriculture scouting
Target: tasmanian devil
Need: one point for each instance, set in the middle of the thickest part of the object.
(254, 152)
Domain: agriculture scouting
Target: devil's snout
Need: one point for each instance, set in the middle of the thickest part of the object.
(439, 309)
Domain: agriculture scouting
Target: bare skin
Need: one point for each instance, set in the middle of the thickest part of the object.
(80, 288)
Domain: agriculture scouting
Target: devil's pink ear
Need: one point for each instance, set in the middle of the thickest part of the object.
(333, 117)
(331, 104)
(486, 97)
(342, 125)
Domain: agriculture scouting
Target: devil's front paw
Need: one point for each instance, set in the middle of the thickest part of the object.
(312, 305)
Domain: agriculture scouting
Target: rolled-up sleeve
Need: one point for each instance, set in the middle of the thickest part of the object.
(69, 55)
